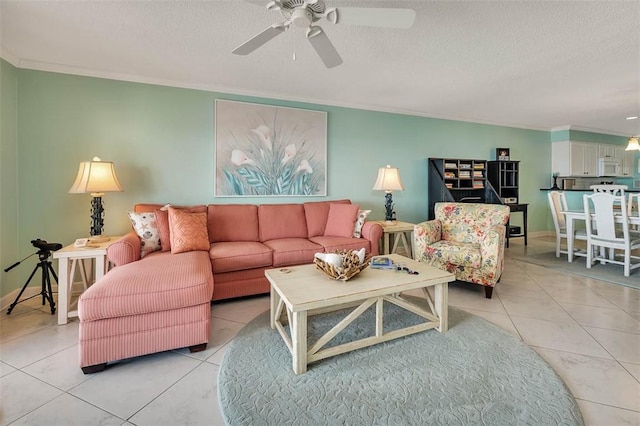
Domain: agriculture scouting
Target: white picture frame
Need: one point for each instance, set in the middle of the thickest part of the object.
(264, 150)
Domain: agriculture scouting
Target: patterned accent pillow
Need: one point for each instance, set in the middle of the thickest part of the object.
(188, 231)
(146, 227)
(362, 216)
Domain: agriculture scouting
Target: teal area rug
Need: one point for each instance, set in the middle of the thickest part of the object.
(608, 272)
(474, 374)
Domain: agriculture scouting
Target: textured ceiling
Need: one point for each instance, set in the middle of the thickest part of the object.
(532, 64)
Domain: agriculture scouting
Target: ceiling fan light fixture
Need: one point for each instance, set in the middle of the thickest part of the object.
(301, 18)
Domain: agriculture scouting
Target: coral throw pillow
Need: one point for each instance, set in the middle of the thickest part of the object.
(341, 220)
(362, 216)
(146, 227)
(188, 231)
(162, 217)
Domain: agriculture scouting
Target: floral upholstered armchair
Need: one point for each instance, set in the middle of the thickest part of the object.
(465, 239)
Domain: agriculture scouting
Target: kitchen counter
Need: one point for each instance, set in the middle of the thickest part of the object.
(584, 190)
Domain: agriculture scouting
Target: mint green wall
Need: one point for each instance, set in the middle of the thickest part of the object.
(560, 135)
(577, 135)
(8, 176)
(161, 140)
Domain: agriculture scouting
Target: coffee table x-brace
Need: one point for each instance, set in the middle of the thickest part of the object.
(302, 291)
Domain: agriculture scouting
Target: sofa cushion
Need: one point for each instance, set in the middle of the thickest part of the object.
(316, 213)
(233, 222)
(292, 251)
(160, 282)
(331, 244)
(188, 231)
(462, 254)
(238, 255)
(341, 220)
(282, 221)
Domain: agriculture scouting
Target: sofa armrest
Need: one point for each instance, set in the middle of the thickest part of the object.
(372, 231)
(425, 234)
(124, 250)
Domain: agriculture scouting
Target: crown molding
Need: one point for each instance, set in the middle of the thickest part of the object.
(590, 130)
(84, 72)
(9, 57)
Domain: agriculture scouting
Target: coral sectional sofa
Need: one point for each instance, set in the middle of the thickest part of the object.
(158, 295)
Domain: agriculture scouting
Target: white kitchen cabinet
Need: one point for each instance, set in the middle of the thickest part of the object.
(570, 158)
(607, 151)
(628, 163)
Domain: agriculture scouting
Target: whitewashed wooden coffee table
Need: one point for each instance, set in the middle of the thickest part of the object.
(302, 291)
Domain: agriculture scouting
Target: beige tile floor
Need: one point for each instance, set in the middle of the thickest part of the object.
(588, 330)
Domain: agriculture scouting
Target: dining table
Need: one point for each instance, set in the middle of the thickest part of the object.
(572, 215)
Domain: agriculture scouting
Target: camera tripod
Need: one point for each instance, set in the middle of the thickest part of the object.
(46, 292)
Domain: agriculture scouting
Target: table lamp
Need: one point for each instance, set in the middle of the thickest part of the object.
(388, 180)
(96, 177)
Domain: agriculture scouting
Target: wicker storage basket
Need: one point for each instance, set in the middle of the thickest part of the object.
(351, 266)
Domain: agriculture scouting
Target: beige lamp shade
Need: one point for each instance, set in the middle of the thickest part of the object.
(95, 177)
(388, 180)
(633, 144)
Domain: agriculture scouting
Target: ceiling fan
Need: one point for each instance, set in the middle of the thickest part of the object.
(305, 14)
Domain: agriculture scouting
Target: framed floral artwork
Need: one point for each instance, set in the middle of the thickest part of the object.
(264, 150)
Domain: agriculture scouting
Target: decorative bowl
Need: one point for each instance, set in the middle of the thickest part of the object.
(351, 265)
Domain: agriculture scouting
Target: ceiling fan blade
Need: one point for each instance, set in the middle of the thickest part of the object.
(323, 47)
(259, 39)
(372, 16)
(262, 3)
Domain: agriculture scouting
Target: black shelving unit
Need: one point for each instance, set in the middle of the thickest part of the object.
(504, 177)
(459, 180)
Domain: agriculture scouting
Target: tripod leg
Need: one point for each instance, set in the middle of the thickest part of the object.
(48, 292)
(50, 268)
(15, 302)
(53, 272)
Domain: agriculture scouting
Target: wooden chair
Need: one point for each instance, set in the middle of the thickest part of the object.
(558, 203)
(633, 210)
(607, 235)
(610, 189)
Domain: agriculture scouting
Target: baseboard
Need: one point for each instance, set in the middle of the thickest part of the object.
(33, 290)
(8, 299)
(542, 234)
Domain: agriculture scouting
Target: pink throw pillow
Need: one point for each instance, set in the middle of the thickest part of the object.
(188, 231)
(341, 220)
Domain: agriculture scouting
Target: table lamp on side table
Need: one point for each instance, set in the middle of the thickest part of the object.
(388, 180)
(96, 177)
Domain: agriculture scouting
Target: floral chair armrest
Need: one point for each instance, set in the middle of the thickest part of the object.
(372, 231)
(124, 250)
(425, 234)
(492, 247)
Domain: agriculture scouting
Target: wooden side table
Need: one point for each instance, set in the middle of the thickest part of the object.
(398, 231)
(68, 259)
